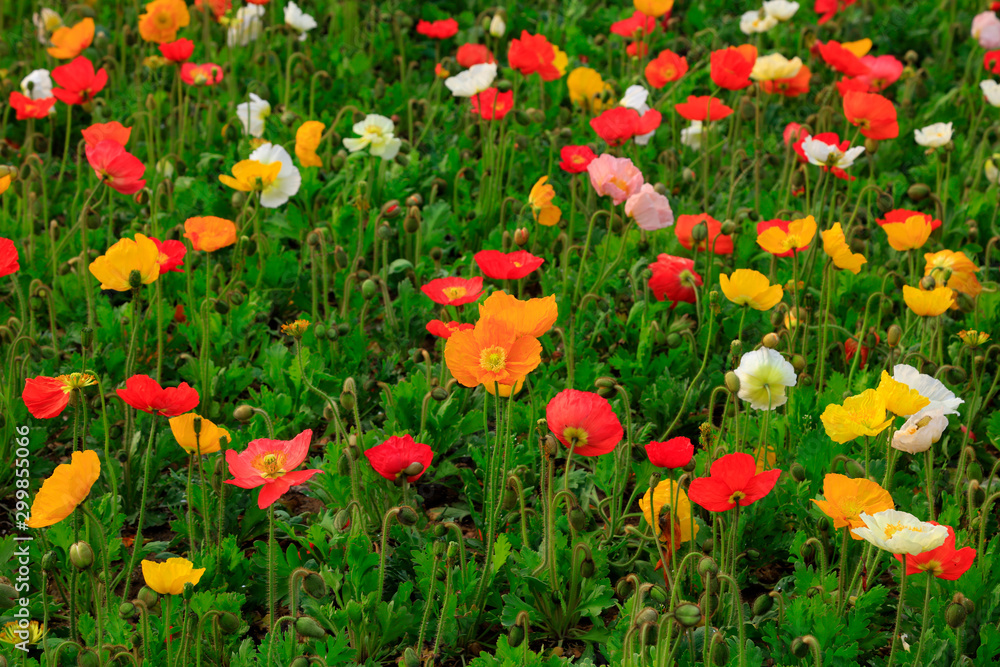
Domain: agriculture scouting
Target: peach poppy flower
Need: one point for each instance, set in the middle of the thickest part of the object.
(614, 177)
(209, 233)
(954, 270)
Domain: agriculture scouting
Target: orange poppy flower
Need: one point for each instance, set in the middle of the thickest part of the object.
(871, 113)
(836, 248)
(68, 43)
(703, 108)
(540, 198)
(162, 20)
(716, 241)
(954, 270)
(847, 498)
(928, 303)
(665, 68)
(492, 352)
(842, 59)
(210, 233)
(790, 87)
(910, 234)
(797, 237)
(527, 318)
(732, 65)
(67, 487)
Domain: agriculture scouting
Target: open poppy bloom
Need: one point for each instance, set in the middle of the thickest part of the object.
(871, 113)
(27, 107)
(910, 234)
(162, 20)
(847, 498)
(715, 241)
(171, 255)
(619, 124)
(473, 54)
(614, 177)
(900, 533)
(954, 270)
(733, 481)
(251, 176)
(113, 131)
(902, 215)
(271, 465)
(732, 65)
(491, 104)
(575, 159)
(673, 279)
(703, 108)
(665, 68)
(307, 139)
(47, 397)
(540, 199)
(453, 291)
(205, 74)
(584, 422)
(656, 8)
(928, 303)
(69, 42)
(673, 453)
(634, 26)
(764, 376)
(177, 51)
(746, 287)
(8, 257)
(861, 415)
(649, 209)
(67, 486)
(828, 152)
(797, 237)
(764, 225)
(209, 233)
(400, 456)
(587, 89)
(205, 439)
(507, 266)
(836, 248)
(492, 352)
(841, 59)
(533, 317)
(437, 29)
(944, 562)
(534, 53)
(792, 86)
(668, 510)
(446, 329)
(170, 576)
(899, 398)
(115, 267)
(883, 71)
(116, 167)
(78, 80)
(144, 393)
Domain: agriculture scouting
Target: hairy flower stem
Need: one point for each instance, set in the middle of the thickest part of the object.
(137, 545)
(271, 566)
(899, 611)
(701, 371)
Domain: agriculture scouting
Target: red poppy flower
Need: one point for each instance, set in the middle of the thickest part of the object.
(438, 29)
(945, 562)
(397, 454)
(171, 255)
(827, 8)
(453, 291)
(270, 465)
(507, 266)
(764, 225)
(637, 49)
(634, 26)
(991, 61)
(8, 258)
(115, 166)
(842, 60)
(28, 108)
(716, 241)
(845, 86)
(674, 453)
(732, 65)
(702, 108)
(217, 7)
(491, 105)
(45, 397)
(793, 133)
(902, 214)
(205, 74)
(179, 315)
(665, 68)
(534, 53)
(619, 124)
(446, 329)
(144, 393)
(473, 54)
(583, 422)
(673, 279)
(733, 481)
(790, 87)
(851, 348)
(871, 113)
(113, 131)
(574, 159)
(177, 51)
(883, 71)
(79, 81)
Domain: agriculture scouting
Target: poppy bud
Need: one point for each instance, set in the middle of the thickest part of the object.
(688, 174)
(747, 108)
(885, 203)
(243, 413)
(411, 224)
(955, 615)
(728, 227)
(135, 279)
(406, 516)
(918, 191)
(623, 588)
(762, 604)
(974, 471)
(798, 472)
(673, 341)
(87, 658)
(342, 521)
(221, 307)
(708, 545)
(391, 209)
(955, 375)
(699, 233)
(605, 382)
(894, 335)
(798, 363)
(410, 658)
(414, 468)
(770, 341)
(707, 566)
(81, 555)
(126, 610)
(799, 647)
(314, 585)
(688, 614)
(147, 596)
(551, 445)
(300, 661)
(587, 567)
(854, 469)
(646, 615)
(308, 627)
(577, 518)
(368, 289)
(719, 650)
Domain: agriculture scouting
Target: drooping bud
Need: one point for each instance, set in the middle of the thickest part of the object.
(307, 626)
(733, 382)
(243, 413)
(771, 340)
(798, 472)
(894, 335)
(406, 516)
(955, 614)
(687, 614)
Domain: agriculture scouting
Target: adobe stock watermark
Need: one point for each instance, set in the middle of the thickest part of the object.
(21, 569)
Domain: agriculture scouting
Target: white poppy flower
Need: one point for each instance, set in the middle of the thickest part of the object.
(288, 181)
(253, 115)
(635, 98)
(472, 81)
(497, 26)
(941, 398)
(298, 20)
(46, 22)
(830, 155)
(691, 135)
(991, 169)
(933, 136)
(991, 90)
(245, 26)
(756, 22)
(376, 134)
(781, 10)
(37, 85)
(900, 533)
(764, 374)
(918, 433)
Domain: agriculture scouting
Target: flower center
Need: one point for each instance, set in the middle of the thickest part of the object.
(618, 183)
(454, 292)
(493, 359)
(577, 436)
(270, 465)
(894, 528)
(737, 497)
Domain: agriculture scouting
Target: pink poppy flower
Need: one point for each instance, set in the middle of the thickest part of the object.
(650, 209)
(270, 464)
(614, 177)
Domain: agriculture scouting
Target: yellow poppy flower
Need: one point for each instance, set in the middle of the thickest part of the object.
(586, 88)
(12, 633)
(973, 338)
(766, 458)
(798, 237)
(209, 437)
(67, 486)
(540, 198)
(847, 498)
(746, 287)
(251, 176)
(168, 578)
(954, 270)
(860, 415)
(668, 510)
(561, 60)
(307, 139)
(860, 48)
(910, 234)
(899, 399)
(114, 268)
(928, 303)
(836, 248)
(654, 7)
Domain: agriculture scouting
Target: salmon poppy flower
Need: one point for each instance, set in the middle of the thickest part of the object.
(532, 318)
(732, 65)
(619, 124)
(534, 53)
(703, 108)
(668, 511)
(47, 397)
(271, 465)
(507, 266)
(798, 235)
(584, 422)
(944, 562)
(208, 438)
(910, 234)
(871, 113)
(113, 131)
(67, 487)
(307, 140)
(79, 81)
(792, 86)
(492, 352)
(733, 481)
(398, 456)
(883, 71)
(27, 107)
(665, 68)
(715, 241)
(746, 287)
(902, 215)
(170, 576)
(115, 267)
(843, 60)
(954, 270)
(861, 415)
(673, 453)
(673, 279)
(8, 258)
(575, 159)
(453, 291)
(144, 393)
(116, 167)
(162, 20)
(836, 247)
(473, 54)
(437, 29)
(177, 51)
(928, 303)
(205, 74)
(69, 42)
(171, 255)
(491, 104)
(614, 177)
(846, 499)
(209, 233)
(446, 329)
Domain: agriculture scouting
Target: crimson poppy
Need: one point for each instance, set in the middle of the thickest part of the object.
(703, 108)
(492, 105)
(583, 422)
(574, 159)
(473, 54)
(115, 166)
(871, 113)
(827, 8)
(674, 279)
(79, 81)
(619, 124)
(392, 458)
(842, 60)
(113, 131)
(991, 61)
(438, 29)
(674, 453)
(177, 51)
(446, 329)
(28, 108)
(793, 86)
(205, 74)
(454, 291)
(945, 562)
(534, 53)
(507, 266)
(715, 241)
(733, 481)
(634, 26)
(171, 255)
(732, 65)
(8, 258)
(665, 68)
(144, 393)
(765, 225)
(903, 214)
